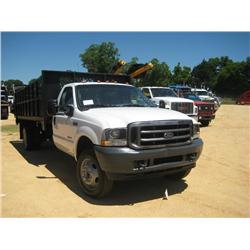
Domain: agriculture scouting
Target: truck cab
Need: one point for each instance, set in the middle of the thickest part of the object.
(171, 100)
(111, 129)
(4, 103)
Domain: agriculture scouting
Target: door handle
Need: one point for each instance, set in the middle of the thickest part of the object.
(75, 123)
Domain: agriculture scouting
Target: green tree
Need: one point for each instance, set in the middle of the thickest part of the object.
(10, 83)
(100, 58)
(181, 74)
(186, 74)
(134, 60)
(32, 80)
(234, 78)
(204, 73)
(177, 74)
(208, 71)
(159, 75)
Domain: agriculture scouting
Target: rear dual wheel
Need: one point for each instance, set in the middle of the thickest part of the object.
(31, 138)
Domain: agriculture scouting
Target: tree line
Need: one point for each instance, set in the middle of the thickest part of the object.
(220, 74)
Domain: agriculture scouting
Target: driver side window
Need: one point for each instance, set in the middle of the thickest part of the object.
(146, 93)
(66, 98)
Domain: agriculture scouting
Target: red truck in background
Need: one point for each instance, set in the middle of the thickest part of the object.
(244, 98)
(206, 110)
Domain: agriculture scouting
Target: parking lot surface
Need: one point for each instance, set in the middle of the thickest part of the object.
(43, 183)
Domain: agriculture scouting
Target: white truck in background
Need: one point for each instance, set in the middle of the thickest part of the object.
(171, 101)
(111, 129)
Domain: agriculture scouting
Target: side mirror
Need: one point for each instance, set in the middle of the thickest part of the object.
(69, 110)
(52, 107)
(162, 104)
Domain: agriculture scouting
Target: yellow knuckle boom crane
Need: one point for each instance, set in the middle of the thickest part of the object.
(136, 71)
(118, 67)
(141, 70)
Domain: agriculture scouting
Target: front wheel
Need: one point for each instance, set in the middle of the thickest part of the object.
(179, 175)
(91, 178)
(205, 123)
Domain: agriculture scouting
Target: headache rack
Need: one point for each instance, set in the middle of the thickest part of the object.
(31, 101)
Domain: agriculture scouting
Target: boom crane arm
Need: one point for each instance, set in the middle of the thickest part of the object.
(118, 67)
(141, 70)
(137, 69)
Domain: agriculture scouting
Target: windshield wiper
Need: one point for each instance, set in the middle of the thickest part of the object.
(98, 106)
(130, 105)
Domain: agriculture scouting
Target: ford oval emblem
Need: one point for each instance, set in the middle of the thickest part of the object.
(168, 135)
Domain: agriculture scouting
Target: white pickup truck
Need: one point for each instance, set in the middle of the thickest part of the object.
(114, 133)
(167, 96)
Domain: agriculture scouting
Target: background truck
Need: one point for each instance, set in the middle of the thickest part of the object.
(206, 110)
(4, 103)
(244, 98)
(111, 129)
(205, 96)
(171, 100)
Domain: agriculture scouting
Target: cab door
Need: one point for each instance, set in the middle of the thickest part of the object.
(63, 129)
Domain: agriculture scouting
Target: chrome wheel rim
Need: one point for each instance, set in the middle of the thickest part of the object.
(89, 174)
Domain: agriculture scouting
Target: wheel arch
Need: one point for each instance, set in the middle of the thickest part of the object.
(82, 143)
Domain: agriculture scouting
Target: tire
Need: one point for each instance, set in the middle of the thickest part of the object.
(31, 138)
(37, 139)
(179, 175)
(205, 123)
(92, 180)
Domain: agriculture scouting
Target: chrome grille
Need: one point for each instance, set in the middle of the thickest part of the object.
(158, 134)
(183, 107)
(206, 107)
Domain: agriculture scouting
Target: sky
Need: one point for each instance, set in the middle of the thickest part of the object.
(25, 54)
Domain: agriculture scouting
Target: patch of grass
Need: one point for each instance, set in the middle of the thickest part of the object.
(10, 129)
(228, 100)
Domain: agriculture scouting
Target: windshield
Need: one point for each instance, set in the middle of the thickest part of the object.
(3, 95)
(201, 92)
(160, 92)
(191, 96)
(102, 95)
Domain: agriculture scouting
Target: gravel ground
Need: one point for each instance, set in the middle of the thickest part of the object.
(43, 184)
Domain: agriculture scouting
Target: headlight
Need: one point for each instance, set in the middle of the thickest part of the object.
(114, 137)
(195, 109)
(196, 131)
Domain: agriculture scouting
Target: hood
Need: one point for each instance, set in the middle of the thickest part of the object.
(122, 116)
(201, 102)
(173, 99)
(206, 97)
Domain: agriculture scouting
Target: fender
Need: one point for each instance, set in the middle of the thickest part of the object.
(86, 132)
